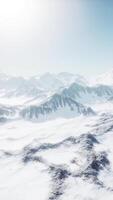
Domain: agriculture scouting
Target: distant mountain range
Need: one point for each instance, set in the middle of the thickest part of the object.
(52, 95)
(43, 83)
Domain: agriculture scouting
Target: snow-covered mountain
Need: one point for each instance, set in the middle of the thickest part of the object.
(89, 94)
(47, 82)
(70, 155)
(72, 96)
(104, 79)
(57, 106)
(68, 78)
(7, 113)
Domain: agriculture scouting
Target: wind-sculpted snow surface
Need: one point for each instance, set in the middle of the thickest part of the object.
(63, 159)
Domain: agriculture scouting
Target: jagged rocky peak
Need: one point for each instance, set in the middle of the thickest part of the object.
(57, 106)
(88, 94)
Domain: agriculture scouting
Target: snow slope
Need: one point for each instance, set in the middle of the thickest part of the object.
(63, 159)
(70, 155)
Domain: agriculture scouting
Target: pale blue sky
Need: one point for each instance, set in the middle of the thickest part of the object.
(37, 36)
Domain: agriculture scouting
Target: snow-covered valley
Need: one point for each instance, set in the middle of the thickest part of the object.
(57, 145)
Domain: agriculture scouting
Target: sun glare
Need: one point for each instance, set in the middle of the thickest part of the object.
(22, 14)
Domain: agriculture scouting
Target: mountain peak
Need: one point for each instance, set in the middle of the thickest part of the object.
(105, 78)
